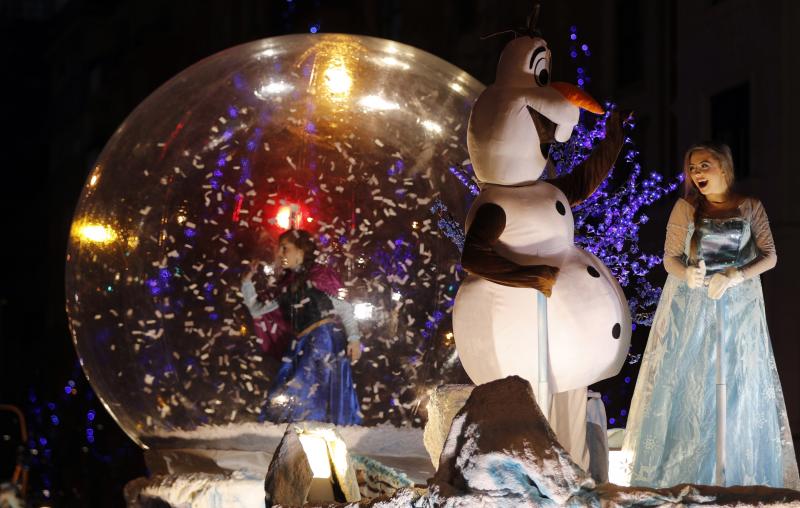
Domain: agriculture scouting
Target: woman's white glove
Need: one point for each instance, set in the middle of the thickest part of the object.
(717, 286)
(720, 282)
(695, 275)
(735, 275)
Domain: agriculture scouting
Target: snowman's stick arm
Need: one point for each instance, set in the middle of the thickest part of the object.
(479, 257)
(587, 176)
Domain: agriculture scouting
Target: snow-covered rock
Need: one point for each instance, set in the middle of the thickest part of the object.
(231, 490)
(501, 447)
(289, 476)
(501, 452)
(294, 465)
(445, 401)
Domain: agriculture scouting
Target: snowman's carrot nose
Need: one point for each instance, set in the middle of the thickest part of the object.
(578, 97)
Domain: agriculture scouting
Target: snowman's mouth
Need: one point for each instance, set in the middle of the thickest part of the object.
(546, 130)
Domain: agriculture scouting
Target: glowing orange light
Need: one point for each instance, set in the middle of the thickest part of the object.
(95, 233)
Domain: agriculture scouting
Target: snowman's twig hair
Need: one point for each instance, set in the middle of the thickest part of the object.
(495, 34)
(529, 29)
(532, 31)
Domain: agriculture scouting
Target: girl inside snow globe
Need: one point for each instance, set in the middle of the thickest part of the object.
(301, 319)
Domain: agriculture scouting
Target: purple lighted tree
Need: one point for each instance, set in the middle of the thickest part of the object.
(607, 224)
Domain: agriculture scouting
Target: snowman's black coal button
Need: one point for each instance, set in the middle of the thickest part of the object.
(616, 330)
(593, 271)
(560, 208)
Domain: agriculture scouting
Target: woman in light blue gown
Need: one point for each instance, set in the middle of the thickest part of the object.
(717, 244)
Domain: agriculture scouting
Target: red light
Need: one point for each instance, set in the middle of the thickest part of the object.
(290, 215)
(237, 208)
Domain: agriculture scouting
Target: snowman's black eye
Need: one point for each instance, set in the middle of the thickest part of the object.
(560, 208)
(543, 77)
(539, 66)
(536, 52)
(616, 331)
(593, 271)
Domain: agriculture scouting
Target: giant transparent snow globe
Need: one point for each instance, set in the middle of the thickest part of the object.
(357, 140)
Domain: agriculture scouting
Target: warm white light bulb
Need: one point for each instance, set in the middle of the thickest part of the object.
(362, 310)
(317, 454)
(97, 233)
(338, 80)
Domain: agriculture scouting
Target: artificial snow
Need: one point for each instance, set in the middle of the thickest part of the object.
(500, 452)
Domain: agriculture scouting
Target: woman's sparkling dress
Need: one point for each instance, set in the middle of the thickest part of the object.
(671, 431)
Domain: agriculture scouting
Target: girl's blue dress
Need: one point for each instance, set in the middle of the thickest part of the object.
(314, 381)
(671, 431)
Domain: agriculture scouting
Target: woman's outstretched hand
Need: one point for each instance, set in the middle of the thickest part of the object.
(354, 350)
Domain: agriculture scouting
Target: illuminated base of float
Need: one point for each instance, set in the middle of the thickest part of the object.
(225, 466)
(492, 457)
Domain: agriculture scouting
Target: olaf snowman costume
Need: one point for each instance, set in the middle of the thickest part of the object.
(520, 239)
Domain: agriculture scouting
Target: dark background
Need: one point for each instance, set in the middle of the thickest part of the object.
(72, 70)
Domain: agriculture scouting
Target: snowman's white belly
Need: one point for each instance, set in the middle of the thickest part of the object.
(589, 326)
(538, 220)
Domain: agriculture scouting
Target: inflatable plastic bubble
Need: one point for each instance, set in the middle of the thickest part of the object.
(351, 138)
